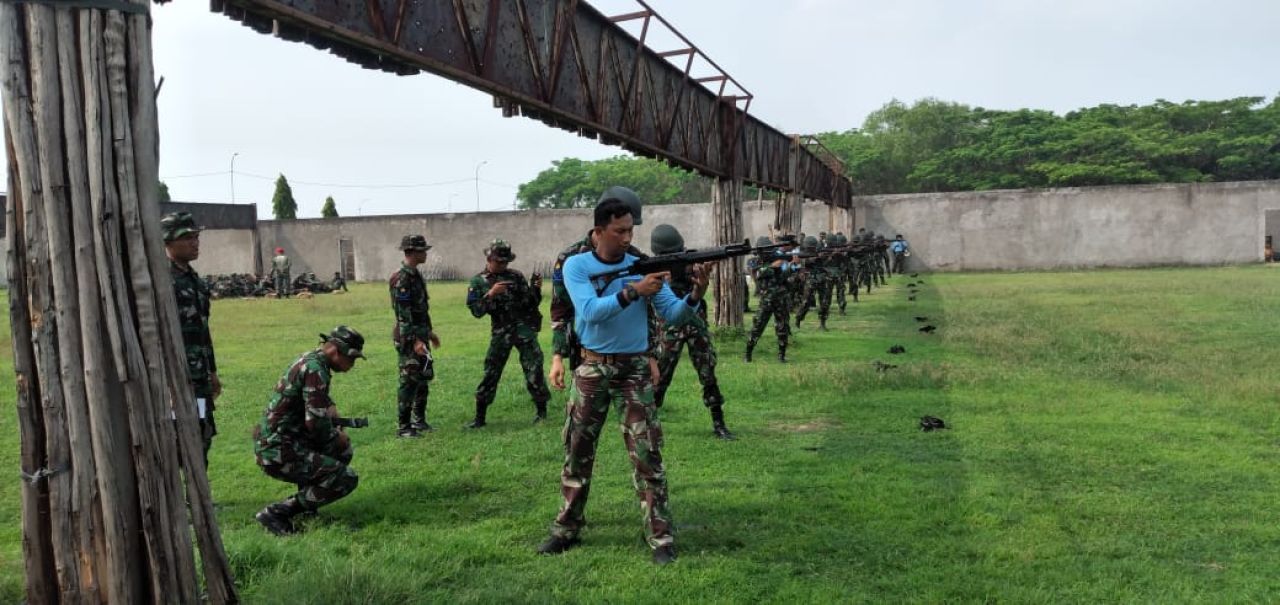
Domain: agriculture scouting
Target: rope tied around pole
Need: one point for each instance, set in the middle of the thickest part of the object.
(34, 478)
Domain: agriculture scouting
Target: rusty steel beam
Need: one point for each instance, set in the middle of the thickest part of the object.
(568, 65)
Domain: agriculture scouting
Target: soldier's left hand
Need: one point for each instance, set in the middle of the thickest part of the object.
(536, 281)
(654, 374)
(217, 385)
(435, 340)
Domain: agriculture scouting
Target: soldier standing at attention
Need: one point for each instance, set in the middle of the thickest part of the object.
(280, 271)
(899, 249)
(665, 239)
(297, 441)
(772, 272)
(611, 324)
(182, 245)
(564, 341)
(411, 337)
(512, 306)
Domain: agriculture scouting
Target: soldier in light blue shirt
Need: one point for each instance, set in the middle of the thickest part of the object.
(611, 323)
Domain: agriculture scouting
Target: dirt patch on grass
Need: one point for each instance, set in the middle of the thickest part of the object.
(811, 425)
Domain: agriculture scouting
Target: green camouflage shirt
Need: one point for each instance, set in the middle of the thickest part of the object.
(299, 410)
(193, 316)
(516, 309)
(409, 301)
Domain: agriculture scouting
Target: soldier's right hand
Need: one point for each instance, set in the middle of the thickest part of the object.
(557, 372)
(651, 283)
(420, 348)
(344, 441)
(498, 289)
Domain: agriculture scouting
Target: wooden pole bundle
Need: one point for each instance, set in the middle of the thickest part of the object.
(726, 211)
(107, 510)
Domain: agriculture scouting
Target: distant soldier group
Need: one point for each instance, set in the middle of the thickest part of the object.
(620, 339)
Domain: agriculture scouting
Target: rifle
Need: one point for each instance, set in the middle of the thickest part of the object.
(351, 423)
(679, 260)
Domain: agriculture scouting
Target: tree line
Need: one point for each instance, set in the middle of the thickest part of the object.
(934, 146)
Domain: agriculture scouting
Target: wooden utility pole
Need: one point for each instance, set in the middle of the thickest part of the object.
(789, 212)
(107, 510)
(726, 211)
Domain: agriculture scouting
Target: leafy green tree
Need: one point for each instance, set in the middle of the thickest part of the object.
(575, 183)
(164, 193)
(938, 146)
(329, 210)
(283, 205)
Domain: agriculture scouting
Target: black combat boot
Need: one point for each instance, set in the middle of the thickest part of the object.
(278, 518)
(664, 554)
(540, 411)
(717, 423)
(782, 353)
(746, 356)
(420, 418)
(555, 545)
(478, 422)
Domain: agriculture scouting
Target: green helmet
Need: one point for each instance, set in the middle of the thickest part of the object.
(763, 241)
(666, 240)
(348, 341)
(626, 196)
(177, 224)
(810, 244)
(841, 239)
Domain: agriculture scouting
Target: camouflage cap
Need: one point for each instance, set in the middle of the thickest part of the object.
(414, 242)
(348, 341)
(500, 251)
(177, 224)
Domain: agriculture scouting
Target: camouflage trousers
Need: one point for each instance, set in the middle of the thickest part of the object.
(839, 283)
(283, 285)
(416, 372)
(500, 345)
(322, 475)
(819, 295)
(777, 307)
(701, 353)
(626, 385)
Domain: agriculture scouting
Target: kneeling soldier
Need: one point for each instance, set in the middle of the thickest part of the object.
(512, 306)
(298, 440)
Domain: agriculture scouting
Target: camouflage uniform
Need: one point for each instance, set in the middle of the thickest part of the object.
(693, 332)
(413, 324)
(297, 441)
(193, 296)
(515, 322)
(839, 272)
(280, 271)
(774, 302)
(338, 283)
(817, 286)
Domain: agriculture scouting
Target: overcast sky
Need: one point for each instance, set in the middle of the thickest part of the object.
(382, 144)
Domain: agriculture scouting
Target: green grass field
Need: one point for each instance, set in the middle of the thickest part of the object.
(1115, 438)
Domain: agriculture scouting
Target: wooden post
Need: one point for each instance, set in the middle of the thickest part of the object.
(726, 211)
(107, 511)
(789, 212)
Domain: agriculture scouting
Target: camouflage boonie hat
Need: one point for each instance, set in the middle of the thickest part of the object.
(348, 341)
(414, 242)
(177, 224)
(500, 250)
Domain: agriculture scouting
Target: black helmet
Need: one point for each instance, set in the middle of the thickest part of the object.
(665, 239)
(626, 196)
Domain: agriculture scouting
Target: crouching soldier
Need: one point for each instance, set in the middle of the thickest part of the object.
(299, 440)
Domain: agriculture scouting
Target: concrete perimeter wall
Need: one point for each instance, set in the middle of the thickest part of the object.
(1123, 226)
(458, 240)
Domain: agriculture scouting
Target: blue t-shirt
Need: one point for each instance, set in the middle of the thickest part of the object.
(898, 246)
(603, 324)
